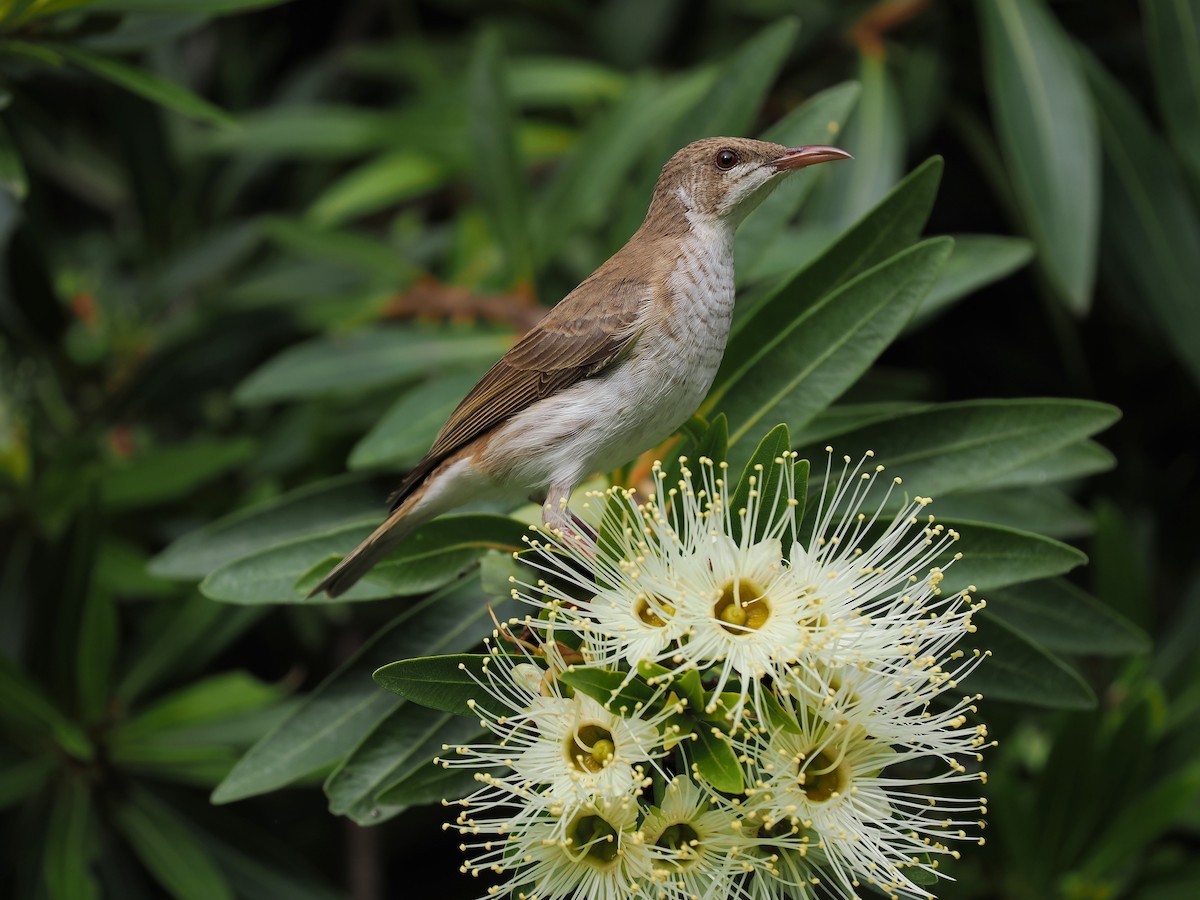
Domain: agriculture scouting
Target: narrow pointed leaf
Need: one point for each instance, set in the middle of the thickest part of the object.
(446, 683)
(1173, 36)
(146, 84)
(67, 856)
(429, 558)
(800, 370)
(1150, 230)
(995, 557)
(311, 509)
(164, 842)
(889, 228)
(368, 359)
(1047, 131)
(1065, 619)
(951, 446)
(715, 759)
(977, 261)
(498, 174)
(344, 708)
(1021, 671)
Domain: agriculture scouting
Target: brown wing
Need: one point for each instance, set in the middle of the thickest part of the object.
(576, 339)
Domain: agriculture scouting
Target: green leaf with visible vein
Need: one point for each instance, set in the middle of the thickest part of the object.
(715, 759)
(977, 261)
(368, 359)
(1066, 619)
(68, 851)
(311, 509)
(765, 476)
(1173, 35)
(1150, 231)
(146, 84)
(614, 690)
(819, 120)
(799, 370)
(430, 557)
(876, 137)
(348, 705)
(407, 430)
(889, 228)
(1073, 461)
(164, 842)
(1021, 671)
(499, 177)
(445, 683)
(995, 557)
(951, 446)
(1044, 510)
(402, 744)
(1047, 131)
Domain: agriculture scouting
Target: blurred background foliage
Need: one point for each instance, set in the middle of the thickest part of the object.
(247, 245)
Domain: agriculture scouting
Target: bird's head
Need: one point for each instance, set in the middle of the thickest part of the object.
(721, 179)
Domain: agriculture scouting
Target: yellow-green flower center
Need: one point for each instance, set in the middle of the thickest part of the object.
(652, 615)
(822, 777)
(742, 608)
(681, 838)
(596, 836)
(590, 747)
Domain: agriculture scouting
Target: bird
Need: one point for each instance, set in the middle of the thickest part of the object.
(616, 367)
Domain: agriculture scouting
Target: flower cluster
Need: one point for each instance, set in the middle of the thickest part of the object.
(718, 695)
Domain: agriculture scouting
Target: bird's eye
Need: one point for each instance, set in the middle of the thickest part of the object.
(726, 159)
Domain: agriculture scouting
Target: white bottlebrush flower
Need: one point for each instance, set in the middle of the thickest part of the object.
(698, 844)
(593, 852)
(684, 580)
(552, 748)
(861, 809)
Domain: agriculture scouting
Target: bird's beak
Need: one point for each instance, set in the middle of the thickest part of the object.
(799, 157)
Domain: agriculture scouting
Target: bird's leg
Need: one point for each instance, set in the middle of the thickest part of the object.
(560, 521)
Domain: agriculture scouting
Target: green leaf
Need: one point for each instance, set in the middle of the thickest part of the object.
(1045, 510)
(732, 103)
(1021, 671)
(347, 705)
(311, 509)
(402, 744)
(426, 784)
(170, 473)
(182, 639)
(1171, 30)
(446, 683)
(213, 698)
(612, 690)
(146, 84)
(799, 370)
(24, 707)
(977, 261)
(876, 137)
(994, 557)
(951, 446)
(715, 759)
(499, 178)
(1074, 461)
(385, 181)
(164, 842)
(373, 358)
(1150, 231)
(69, 850)
(819, 120)
(407, 430)
(580, 193)
(889, 228)
(764, 474)
(1065, 619)
(427, 559)
(561, 81)
(1047, 132)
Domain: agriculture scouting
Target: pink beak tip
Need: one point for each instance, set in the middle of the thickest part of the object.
(799, 157)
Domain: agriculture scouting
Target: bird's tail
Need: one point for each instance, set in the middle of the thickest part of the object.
(363, 558)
